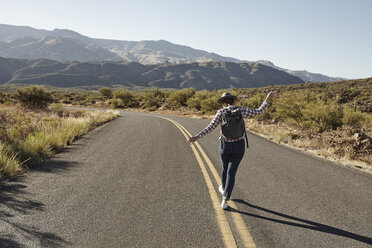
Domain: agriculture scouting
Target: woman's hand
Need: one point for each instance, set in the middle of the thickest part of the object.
(271, 95)
(192, 140)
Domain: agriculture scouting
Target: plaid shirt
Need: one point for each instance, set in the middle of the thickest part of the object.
(246, 112)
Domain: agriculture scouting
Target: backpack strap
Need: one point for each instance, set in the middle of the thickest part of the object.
(245, 133)
(245, 130)
(246, 137)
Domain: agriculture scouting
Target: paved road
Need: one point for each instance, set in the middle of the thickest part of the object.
(136, 183)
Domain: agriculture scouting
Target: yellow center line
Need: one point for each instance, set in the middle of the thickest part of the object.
(237, 218)
(223, 223)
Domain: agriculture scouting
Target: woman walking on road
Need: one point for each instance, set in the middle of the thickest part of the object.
(232, 147)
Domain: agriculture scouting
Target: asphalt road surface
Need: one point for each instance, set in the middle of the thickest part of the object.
(136, 183)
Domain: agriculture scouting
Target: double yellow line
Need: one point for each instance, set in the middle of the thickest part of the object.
(227, 234)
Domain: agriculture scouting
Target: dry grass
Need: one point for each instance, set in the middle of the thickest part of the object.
(27, 135)
(314, 144)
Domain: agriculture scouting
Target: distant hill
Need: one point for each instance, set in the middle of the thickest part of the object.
(67, 45)
(304, 75)
(60, 48)
(13, 44)
(199, 75)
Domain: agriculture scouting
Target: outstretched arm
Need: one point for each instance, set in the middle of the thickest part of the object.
(248, 112)
(271, 95)
(212, 125)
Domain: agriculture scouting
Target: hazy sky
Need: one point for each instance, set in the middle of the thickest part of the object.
(332, 37)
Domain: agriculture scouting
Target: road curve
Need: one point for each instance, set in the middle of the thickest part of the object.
(136, 183)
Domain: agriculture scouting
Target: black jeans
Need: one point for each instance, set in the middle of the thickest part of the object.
(231, 154)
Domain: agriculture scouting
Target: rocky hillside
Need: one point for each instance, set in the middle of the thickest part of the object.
(199, 75)
(67, 45)
(61, 48)
(20, 42)
(304, 75)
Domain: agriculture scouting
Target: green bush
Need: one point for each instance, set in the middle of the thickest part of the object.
(309, 110)
(124, 98)
(266, 116)
(322, 115)
(368, 119)
(94, 98)
(2, 97)
(115, 103)
(80, 98)
(348, 95)
(352, 118)
(35, 97)
(195, 101)
(290, 106)
(151, 99)
(179, 98)
(105, 92)
(210, 105)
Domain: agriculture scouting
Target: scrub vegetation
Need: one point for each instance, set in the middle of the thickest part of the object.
(334, 119)
(31, 130)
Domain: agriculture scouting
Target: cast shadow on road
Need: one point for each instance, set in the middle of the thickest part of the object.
(15, 201)
(308, 224)
(53, 165)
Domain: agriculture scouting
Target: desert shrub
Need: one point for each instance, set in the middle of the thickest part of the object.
(348, 94)
(310, 110)
(195, 101)
(290, 106)
(352, 118)
(79, 98)
(267, 115)
(179, 98)
(57, 109)
(322, 115)
(35, 97)
(106, 92)
(151, 99)
(368, 119)
(115, 103)
(124, 98)
(210, 105)
(2, 97)
(94, 98)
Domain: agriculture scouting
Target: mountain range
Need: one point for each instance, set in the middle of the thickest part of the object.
(208, 75)
(66, 45)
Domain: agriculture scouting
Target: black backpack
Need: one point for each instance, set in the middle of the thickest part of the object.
(233, 125)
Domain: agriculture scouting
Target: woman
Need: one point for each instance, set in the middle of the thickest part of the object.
(231, 148)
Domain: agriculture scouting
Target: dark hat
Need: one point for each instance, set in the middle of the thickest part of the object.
(226, 95)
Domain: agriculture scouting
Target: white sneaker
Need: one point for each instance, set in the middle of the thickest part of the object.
(220, 188)
(224, 204)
